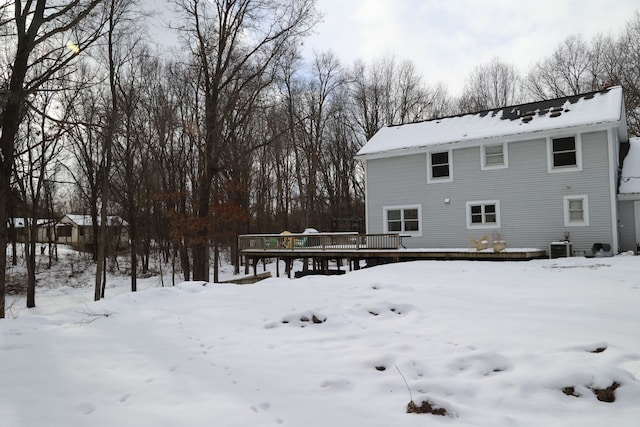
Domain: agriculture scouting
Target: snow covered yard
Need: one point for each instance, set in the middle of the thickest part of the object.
(493, 344)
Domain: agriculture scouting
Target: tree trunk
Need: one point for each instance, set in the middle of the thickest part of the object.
(4, 196)
(134, 256)
(216, 261)
(101, 255)
(30, 255)
(10, 122)
(184, 261)
(200, 246)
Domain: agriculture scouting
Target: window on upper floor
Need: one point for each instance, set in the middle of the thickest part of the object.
(564, 154)
(439, 166)
(494, 156)
(402, 219)
(483, 214)
(576, 211)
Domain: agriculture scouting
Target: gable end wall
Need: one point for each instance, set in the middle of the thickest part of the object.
(531, 198)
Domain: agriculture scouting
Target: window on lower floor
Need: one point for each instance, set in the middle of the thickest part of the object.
(483, 214)
(402, 219)
(576, 210)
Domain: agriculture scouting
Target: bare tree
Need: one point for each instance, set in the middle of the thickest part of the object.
(571, 69)
(627, 71)
(88, 120)
(314, 109)
(492, 85)
(372, 95)
(40, 145)
(387, 93)
(236, 45)
(131, 146)
(413, 99)
(176, 119)
(339, 166)
(119, 29)
(46, 34)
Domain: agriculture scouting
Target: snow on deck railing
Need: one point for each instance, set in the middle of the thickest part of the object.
(318, 241)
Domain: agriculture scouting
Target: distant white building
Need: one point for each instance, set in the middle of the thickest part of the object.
(78, 230)
(45, 229)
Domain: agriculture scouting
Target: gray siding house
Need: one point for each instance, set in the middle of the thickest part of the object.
(529, 174)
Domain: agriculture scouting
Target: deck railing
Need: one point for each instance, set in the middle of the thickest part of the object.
(318, 241)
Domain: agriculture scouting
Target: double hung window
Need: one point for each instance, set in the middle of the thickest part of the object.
(576, 210)
(439, 166)
(564, 154)
(483, 214)
(494, 156)
(403, 219)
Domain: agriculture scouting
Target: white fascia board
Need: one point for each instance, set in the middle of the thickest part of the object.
(523, 136)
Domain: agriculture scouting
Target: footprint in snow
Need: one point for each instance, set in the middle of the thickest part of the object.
(483, 364)
(86, 408)
(264, 406)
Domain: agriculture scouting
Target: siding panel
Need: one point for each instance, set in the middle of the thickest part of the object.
(627, 225)
(531, 199)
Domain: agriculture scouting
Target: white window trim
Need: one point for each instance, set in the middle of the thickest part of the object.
(577, 167)
(430, 178)
(585, 210)
(483, 226)
(483, 157)
(402, 208)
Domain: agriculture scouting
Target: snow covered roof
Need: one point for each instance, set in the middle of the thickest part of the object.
(19, 222)
(630, 177)
(605, 106)
(85, 220)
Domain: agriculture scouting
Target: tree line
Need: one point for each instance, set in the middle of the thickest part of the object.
(232, 133)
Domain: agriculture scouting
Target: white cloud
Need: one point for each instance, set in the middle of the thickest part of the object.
(447, 39)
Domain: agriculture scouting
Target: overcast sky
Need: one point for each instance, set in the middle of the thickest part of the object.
(447, 39)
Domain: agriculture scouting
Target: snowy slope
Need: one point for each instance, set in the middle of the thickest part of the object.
(494, 344)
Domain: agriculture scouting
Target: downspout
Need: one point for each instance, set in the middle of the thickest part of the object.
(613, 189)
(366, 197)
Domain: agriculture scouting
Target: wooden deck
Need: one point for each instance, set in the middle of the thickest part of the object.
(374, 249)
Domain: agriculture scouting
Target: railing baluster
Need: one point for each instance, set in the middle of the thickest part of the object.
(318, 241)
